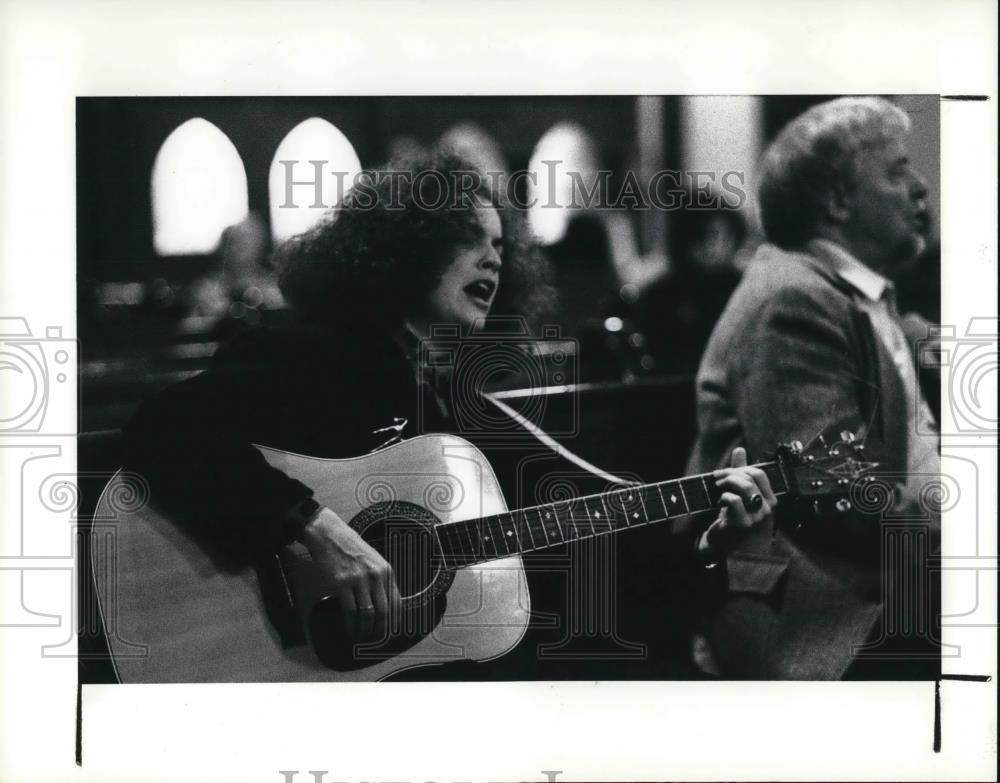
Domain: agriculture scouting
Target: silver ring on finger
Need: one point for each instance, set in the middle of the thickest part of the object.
(755, 503)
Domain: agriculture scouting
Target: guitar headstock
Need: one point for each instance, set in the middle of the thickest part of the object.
(826, 472)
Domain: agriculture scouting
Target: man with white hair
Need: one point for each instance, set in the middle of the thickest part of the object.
(811, 343)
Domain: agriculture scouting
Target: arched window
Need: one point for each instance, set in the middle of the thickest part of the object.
(198, 188)
(563, 164)
(313, 168)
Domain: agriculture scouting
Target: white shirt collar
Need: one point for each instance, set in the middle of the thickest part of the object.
(849, 269)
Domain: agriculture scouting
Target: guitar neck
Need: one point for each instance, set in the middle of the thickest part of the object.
(537, 527)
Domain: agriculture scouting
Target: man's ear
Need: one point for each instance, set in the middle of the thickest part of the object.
(839, 204)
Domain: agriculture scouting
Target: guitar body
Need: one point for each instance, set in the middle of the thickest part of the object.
(174, 616)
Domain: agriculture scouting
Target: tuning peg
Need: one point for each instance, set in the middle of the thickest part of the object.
(822, 440)
(790, 452)
(816, 507)
(847, 436)
(844, 505)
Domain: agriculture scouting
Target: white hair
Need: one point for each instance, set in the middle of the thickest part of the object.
(816, 152)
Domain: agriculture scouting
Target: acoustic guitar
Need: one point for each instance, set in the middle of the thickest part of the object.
(433, 508)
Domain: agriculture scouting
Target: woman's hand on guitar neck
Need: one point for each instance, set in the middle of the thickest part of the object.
(739, 484)
(362, 579)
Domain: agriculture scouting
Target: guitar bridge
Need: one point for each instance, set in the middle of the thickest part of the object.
(280, 604)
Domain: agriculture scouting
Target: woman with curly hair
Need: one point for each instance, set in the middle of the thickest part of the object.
(381, 256)
(415, 245)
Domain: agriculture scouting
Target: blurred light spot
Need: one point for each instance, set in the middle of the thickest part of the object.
(629, 293)
(132, 293)
(198, 188)
(613, 324)
(161, 292)
(253, 296)
(119, 293)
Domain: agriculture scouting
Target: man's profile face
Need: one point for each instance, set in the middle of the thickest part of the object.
(888, 211)
(469, 282)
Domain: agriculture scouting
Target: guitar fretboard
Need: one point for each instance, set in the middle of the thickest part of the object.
(550, 524)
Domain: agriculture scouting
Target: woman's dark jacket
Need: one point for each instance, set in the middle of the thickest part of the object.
(317, 391)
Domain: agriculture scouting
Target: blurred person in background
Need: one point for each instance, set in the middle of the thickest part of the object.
(244, 283)
(678, 312)
(584, 275)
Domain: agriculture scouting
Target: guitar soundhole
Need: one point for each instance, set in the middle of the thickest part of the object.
(408, 546)
(403, 534)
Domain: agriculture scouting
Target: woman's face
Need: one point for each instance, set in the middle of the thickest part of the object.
(469, 283)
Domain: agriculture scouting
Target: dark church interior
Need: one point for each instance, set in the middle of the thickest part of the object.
(639, 290)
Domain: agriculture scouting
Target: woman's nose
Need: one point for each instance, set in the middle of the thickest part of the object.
(492, 260)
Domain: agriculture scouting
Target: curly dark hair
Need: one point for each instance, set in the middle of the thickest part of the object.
(375, 257)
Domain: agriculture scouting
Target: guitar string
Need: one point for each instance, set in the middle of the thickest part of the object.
(773, 469)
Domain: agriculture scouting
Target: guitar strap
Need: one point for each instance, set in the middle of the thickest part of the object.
(549, 442)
